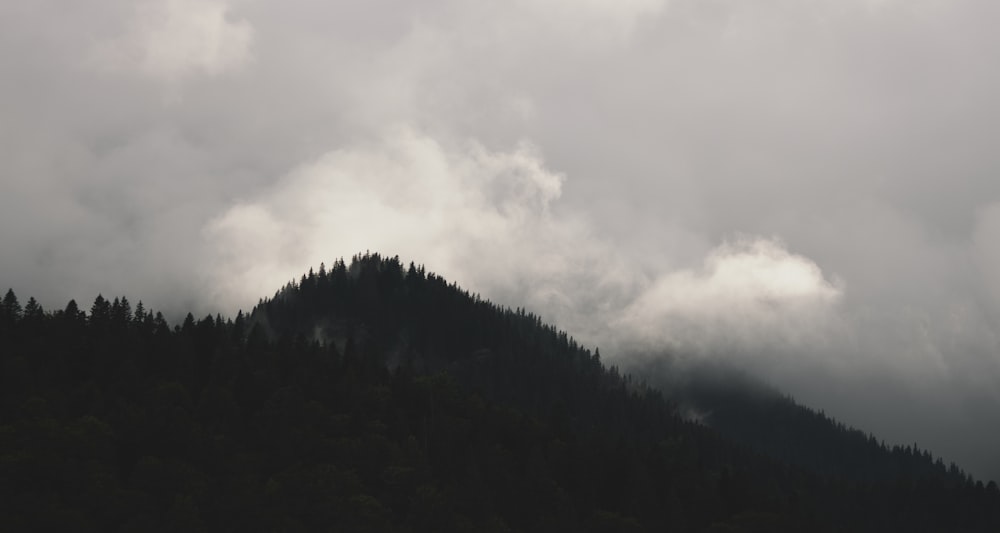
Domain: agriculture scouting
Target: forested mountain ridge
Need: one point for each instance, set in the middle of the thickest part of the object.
(373, 397)
(751, 413)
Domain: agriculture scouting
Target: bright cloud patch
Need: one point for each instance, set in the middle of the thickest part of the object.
(749, 294)
(472, 214)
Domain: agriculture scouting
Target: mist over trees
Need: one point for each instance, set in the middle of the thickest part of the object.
(373, 396)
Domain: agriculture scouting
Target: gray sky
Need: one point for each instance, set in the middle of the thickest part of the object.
(807, 188)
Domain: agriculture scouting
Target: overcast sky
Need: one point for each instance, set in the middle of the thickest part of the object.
(807, 188)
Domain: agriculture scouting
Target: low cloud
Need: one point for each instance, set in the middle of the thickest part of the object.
(492, 221)
(749, 294)
(481, 217)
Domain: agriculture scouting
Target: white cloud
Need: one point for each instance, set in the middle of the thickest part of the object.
(470, 213)
(751, 293)
(489, 219)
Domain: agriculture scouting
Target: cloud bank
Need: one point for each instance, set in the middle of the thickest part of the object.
(487, 218)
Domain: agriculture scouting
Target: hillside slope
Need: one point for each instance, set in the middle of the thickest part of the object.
(373, 397)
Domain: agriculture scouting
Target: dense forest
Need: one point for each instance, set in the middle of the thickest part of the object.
(754, 414)
(376, 397)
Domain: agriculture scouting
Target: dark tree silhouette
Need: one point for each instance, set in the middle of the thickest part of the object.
(369, 397)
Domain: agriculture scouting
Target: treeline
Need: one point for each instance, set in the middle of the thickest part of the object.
(374, 397)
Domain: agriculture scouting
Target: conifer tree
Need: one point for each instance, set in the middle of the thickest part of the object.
(11, 307)
(33, 310)
(125, 314)
(100, 312)
(72, 312)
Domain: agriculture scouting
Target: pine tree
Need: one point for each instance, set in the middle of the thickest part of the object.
(126, 311)
(100, 312)
(11, 307)
(33, 310)
(72, 312)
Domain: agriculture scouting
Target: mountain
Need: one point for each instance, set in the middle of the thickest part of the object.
(756, 415)
(375, 397)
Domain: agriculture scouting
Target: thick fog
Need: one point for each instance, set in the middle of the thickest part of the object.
(807, 189)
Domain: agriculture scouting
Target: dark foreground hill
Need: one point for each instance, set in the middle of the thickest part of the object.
(372, 397)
